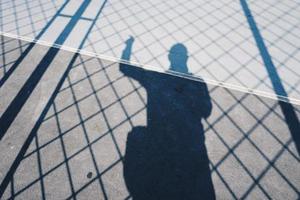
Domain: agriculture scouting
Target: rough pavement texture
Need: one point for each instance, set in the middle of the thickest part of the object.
(101, 119)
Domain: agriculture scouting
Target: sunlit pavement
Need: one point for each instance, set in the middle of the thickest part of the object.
(66, 117)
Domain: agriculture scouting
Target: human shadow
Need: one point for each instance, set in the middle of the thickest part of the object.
(168, 158)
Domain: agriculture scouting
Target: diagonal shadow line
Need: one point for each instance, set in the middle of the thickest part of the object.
(287, 108)
(32, 44)
(37, 125)
(20, 99)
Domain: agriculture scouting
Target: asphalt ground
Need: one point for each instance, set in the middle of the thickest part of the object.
(84, 127)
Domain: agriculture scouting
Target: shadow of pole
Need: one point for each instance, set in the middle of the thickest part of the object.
(18, 102)
(40, 69)
(32, 44)
(286, 107)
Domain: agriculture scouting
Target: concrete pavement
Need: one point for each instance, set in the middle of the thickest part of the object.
(217, 34)
(77, 126)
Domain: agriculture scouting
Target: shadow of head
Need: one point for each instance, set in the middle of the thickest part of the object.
(178, 56)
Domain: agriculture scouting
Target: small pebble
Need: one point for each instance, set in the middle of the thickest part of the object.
(89, 175)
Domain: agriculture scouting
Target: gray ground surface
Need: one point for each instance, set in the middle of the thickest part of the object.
(217, 34)
(79, 149)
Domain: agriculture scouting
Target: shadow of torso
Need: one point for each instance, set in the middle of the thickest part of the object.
(168, 159)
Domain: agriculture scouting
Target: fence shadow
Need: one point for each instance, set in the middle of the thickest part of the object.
(93, 128)
(87, 132)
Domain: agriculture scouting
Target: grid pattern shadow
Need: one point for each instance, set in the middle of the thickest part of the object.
(79, 149)
(217, 35)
